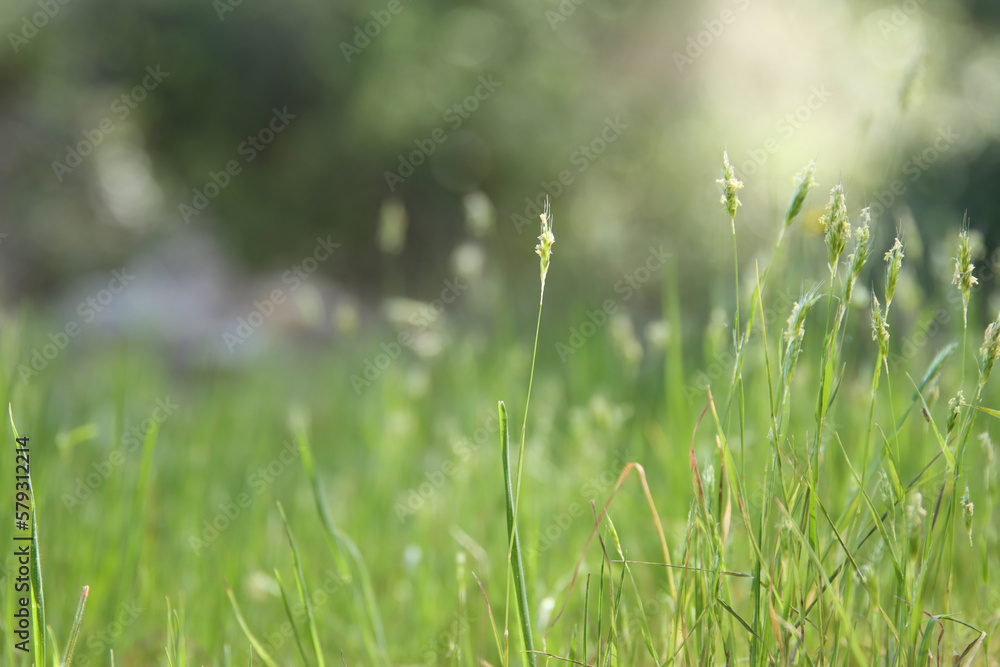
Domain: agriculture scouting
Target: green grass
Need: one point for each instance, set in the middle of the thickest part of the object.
(818, 511)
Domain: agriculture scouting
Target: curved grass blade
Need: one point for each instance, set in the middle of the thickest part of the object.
(339, 543)
(74, 632)
(291, 618)
(254, 642)
(301, 584)
(176, 646)
(516, 564)
(55, 647)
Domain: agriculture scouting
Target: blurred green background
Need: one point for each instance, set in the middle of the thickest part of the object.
(381, 166)
(863, 86)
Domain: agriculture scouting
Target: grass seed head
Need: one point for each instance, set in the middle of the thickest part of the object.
(988, 451)
(730, 186)
(795, 332)
(836, 225)
(968, 509)
(914, 514)
(545, 241)
(933, 392)
(955, 410)
(880, 328)
(894, 262)
(963, 277)
(989, 352)
(862, 246)
(803, 181)
(914, 511)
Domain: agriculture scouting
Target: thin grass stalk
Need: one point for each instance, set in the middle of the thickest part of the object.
(302, 589)
(516, 567)
(544, 250)
(74, 632)
(365, 605)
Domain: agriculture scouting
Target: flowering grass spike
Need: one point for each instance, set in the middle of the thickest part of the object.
(963, 277)
(730, 187)
(894, 259)
(545, 241)
(837, 226)
(803, 182)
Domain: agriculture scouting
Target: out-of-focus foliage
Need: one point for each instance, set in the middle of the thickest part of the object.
(865, 87)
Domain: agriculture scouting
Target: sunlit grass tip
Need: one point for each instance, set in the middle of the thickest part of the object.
(837, 227)
(803, 183)
(545, 242)
(894, 262)
(730, 187)
(964, 267)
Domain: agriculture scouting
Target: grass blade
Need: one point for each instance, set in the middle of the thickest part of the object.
(291, 618)
(303, 595)
(74, 632)
(254, 642)
(339, 544)
(516, 563)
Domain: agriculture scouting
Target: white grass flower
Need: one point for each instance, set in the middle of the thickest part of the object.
(862, 246)
(730, 186)
(803, 182)
(963, 277)
(795, 332)
(914, 515)
(988, 450)
(894, 262)
(968, 509)
(545, 242)
(955, 410)
(989, 352)
(837, 226)
(880, 328)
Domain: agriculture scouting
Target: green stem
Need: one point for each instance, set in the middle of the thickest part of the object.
(516, 564)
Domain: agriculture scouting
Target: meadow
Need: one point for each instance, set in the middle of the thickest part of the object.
(812, 483)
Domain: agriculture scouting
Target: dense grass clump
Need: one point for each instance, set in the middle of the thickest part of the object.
(818, 489)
